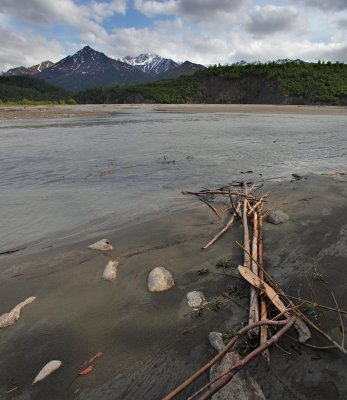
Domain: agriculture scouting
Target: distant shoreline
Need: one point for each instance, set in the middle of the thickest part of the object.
(93, 110)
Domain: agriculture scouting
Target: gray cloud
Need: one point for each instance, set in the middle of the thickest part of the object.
(341, 23)
(68, 11)
(270, 19)
(325, 5)
(204, 9)
(194, 10)
(18, 49)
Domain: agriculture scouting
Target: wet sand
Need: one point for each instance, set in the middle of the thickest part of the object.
(152, 341)
(93, 110)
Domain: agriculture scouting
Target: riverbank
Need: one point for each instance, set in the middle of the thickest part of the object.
(152, 341)
(94, 110)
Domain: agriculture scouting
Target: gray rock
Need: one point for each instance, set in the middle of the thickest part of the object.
(102, 245)
(216, 341)
(241, 387)
(301, 175)
(195, 299)
(277, 217)
(159, 280)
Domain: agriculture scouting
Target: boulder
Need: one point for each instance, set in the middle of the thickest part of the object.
(216, 341)
(159, 280)
(277, 217)
(102, 245)
(110, 271)
(195, 299)
(241, 387)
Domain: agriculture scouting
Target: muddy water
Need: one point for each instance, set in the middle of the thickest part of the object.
(59, 174)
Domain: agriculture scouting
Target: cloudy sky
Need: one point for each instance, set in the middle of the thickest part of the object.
(203, 31)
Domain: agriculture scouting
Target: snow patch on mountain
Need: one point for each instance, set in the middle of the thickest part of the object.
(150, 63)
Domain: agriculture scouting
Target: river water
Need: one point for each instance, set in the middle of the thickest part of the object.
(59, 174)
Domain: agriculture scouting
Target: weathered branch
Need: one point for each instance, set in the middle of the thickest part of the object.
(219, 356)
(225, 378)
(226, 227)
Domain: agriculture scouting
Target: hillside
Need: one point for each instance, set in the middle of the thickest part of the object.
(18, 88)
(271, 83)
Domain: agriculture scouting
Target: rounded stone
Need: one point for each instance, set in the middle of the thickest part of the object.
(216, 341)
(195, 299)
(159, 280)
(277, 217)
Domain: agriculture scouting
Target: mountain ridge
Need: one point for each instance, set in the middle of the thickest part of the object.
(90, 68)
(34, 69)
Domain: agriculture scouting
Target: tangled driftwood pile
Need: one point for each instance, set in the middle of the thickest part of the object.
(247, 207)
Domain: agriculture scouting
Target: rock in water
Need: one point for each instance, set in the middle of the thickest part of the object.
(277, 217)
(48, 369)
(195, 299)
(102, 245)
(159, 280)
(241, 387)
(216, 341)
(110, 272)
(11, 317)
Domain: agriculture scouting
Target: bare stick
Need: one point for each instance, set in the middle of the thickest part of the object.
(226, 227)
(304, 333)
(246, 259)
(225, 378)
(232, 204)
(257, 204)
(263, 306)
(318, 305)
(338, 312)
(210, 206)
(254, 302)
(215, 359)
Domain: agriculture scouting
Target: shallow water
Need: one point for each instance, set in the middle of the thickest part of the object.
(59, 174)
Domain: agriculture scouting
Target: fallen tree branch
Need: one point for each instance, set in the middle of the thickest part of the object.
(221, 233)
(219, 356)
(211, 207)
(221, 381)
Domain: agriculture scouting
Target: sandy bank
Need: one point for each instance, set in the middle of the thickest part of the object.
(151, 341)
(93, 110)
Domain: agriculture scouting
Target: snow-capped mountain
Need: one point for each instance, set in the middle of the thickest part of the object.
(35, 69)
(151, 64)
(90, 68)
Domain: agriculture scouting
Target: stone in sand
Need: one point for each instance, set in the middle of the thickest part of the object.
(195, 299)
(216, 341)
(334, 173)
(241, 387)
(11, 317)
(48, 369)
(277, 217)
(102, 245)
(159, 280)
(110, 272)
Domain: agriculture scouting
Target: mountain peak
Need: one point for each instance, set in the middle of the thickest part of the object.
(150, 63)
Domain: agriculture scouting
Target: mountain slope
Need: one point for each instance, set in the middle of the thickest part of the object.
(35, 69)
(151, 64)
(271, 83)
(186, 68)
(90, 68)
(16, 88)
